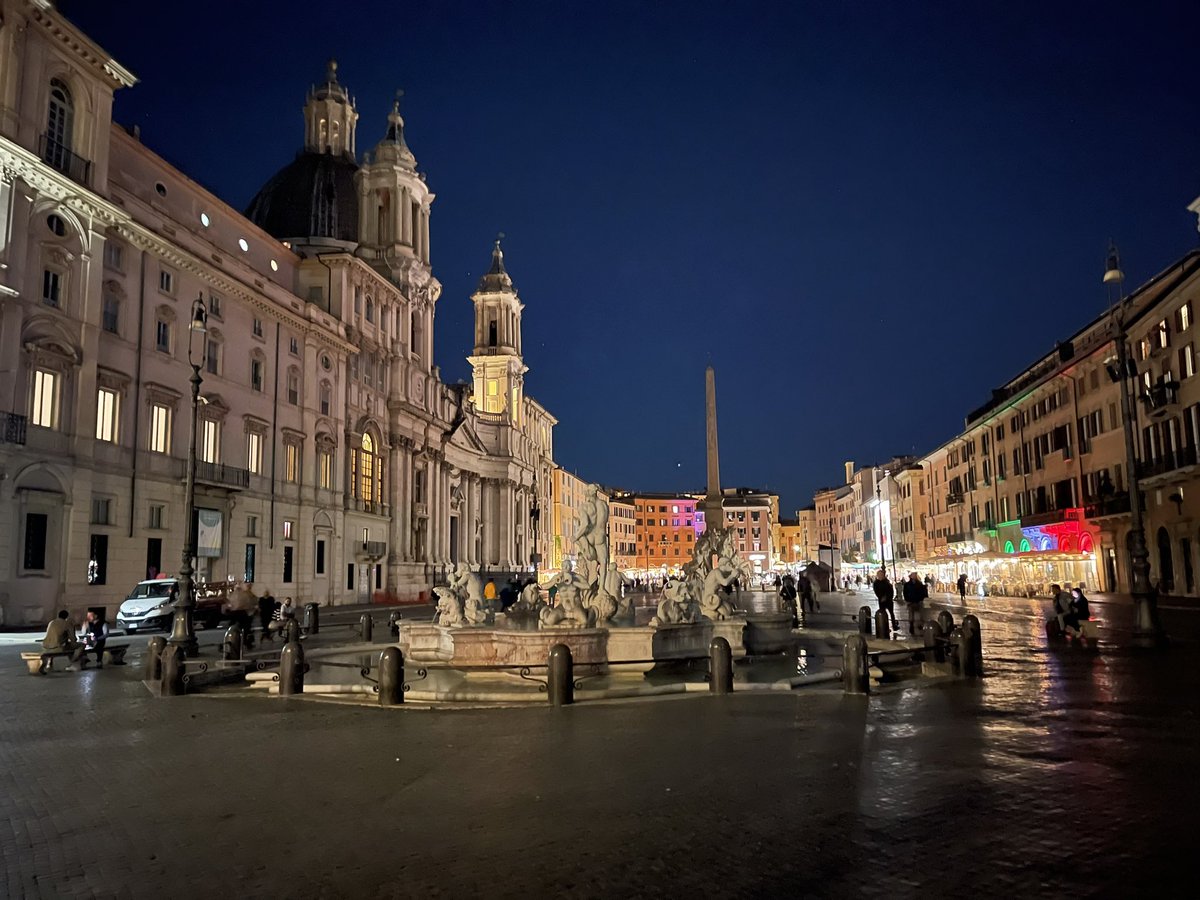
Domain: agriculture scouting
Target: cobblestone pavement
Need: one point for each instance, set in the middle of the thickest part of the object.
(1060, 773)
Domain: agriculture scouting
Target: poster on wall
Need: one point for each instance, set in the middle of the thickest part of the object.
(208, 532)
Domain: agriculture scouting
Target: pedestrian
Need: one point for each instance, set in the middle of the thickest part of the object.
(489, 590)
(95, 636)
(787, 593)
(915, 595)
(962, 587)
(266, 612)
(60, 638)
(885, 594)
(1062, 608)
(553, 592)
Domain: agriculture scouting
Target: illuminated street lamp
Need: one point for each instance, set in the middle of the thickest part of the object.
(1147, 629)
(183, 632)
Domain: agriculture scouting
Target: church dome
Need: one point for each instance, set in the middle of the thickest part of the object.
(312, 196)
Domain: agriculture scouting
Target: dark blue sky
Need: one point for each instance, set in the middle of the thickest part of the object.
(865, 214)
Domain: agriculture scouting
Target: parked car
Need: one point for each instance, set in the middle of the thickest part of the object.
(148, 606)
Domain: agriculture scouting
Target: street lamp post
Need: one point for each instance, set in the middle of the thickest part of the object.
(183, 632)
(535, 516)
(1147, 629)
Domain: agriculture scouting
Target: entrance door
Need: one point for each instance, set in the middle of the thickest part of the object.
(364, 582)
(1110, 568)
(1166, 566)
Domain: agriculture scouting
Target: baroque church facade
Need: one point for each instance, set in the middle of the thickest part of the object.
(333, 463)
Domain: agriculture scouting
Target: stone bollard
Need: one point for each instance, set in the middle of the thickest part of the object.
(945, 622)
(154, 651)
(394, 624)
(855, 677)
(291, 669)
(231, 648)
(391, 677)
(883, 625)
(312, 618)
(366, 627)
(290, 631)
(560, 676)
(720, 666)
(172, 671)
(970, 649)
(864, 620)
(937, 649)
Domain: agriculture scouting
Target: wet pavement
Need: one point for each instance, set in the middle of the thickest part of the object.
(1059, 773)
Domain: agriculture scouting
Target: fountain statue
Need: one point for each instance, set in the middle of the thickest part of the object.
(461, 601)
(595, 584)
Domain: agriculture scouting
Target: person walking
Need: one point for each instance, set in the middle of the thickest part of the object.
(885, 594)
(787, 593)
(915, 595)
(962, 587)
(266, 612)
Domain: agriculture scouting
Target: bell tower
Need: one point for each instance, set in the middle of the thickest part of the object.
(499, 371)
(330, 117)
(393, 201)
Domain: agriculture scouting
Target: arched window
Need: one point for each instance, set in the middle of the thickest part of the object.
(366, 469)
(325, 398)
(370, 310)
(60, 121)
(1008, 547)
(1025, 545)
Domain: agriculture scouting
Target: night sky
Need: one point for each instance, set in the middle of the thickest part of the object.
(864, 214)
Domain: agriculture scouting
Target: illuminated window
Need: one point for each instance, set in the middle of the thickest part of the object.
(106, 415)
(254, 452)
(1185, 316)
(210, 441)
(160, 428)
(1187, 361)
(366, 491)
(43, 401)
(291, 462)
(325, 465)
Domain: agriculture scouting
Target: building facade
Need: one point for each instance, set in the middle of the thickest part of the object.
(569, 495)
(666, 527)
(622, 530)
(333, 464)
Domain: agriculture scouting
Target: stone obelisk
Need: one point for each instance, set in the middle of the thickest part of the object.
(713, 512)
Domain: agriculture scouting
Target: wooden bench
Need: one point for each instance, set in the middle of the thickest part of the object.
(42, 661)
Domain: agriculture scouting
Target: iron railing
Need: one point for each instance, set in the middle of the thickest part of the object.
(219, 473)
(1169, 461)
(12, 428)
(58, 156)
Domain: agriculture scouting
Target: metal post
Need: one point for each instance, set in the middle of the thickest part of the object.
(394, 624)
(232, 646)
(970, 648)
(864, 620)
(856, 678)
(172, 671)
(883, 625)
(183, 630)
(312, 618)
(291, 669)
(945, 622)
(391, 677)
(153, 664)
(932, 633)
(366, 627)
(720, 666)
(560, 680)
(290, 631)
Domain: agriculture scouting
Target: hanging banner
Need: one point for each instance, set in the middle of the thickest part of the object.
(208, 532)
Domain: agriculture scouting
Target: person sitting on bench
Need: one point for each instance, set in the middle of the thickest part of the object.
(60, 638)
(95, 636)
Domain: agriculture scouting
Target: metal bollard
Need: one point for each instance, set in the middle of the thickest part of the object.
(856, 677)
(883, 625)
(391, 677)
(231, 648)
(945, 622)
(291, 669)
(864, 620)
(172, 671)
(394, 624)
(932, 634)
(720, 666)
(154, 650)
(560, 676)
(366, 626)
(290, 630)
(970, 648)
(312, 618)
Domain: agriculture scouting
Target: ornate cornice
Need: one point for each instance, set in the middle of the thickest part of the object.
(83, 49)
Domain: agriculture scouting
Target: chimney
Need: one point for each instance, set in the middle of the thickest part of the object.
(849, 470)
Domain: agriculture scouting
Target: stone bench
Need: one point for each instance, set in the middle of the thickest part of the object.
(42, 661)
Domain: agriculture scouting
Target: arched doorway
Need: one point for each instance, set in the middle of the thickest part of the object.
(1166, 565)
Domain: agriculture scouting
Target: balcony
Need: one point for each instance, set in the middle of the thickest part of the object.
(372, 549)
(959, 537)
(12, 428)
(954, 499)
(1050, 517)
(1116, 505)
(222, 475)
(58, 156)
(1168, 466)
(1161, 399)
